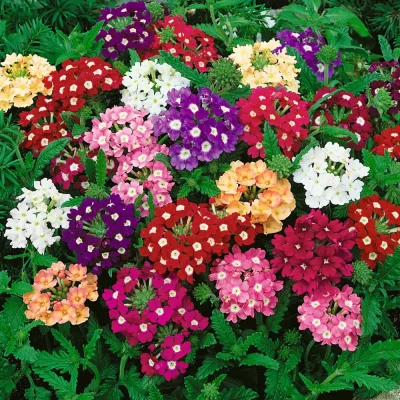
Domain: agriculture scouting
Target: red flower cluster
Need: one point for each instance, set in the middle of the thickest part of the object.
(45, 124)
(315, 252)
(283, 110)
(346, 111)
(173, 35)
(184, 236)
(72, 85)
(84, 77)
(388, 140)
(378, 233)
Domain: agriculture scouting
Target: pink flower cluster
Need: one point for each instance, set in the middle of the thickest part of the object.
(246, 283)
(148, 308)
(127, 137)
(315, 253)
(333, 317)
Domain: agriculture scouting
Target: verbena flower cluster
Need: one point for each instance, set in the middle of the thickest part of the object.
(388, 140)
(99, 232)
(147, 84)
(38, 217)
(315, 252)
(246, 284)
(203, 126)
(156, 311)
(330, 175)
(59, 294)
(308, 44)
(125, 27)
(377, 222)
(21, 80)
(333, 317)
(266, 64)
(286, 113)
(184, 237)
(253, 189)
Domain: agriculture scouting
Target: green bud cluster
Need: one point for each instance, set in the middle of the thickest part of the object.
(224, 75)
(167, 35)
(281, 165)
(210, 391)
(202, 293)
(327, 54)
(156, 11)
(381, 100)
(362, 274)
(292, 337)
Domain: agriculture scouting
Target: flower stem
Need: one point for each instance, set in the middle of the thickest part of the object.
(122, 364)
(326, 74)
(309, 347)
(96, 374)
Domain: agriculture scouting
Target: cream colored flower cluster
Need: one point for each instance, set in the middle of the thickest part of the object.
(266, 64)
(21, 80)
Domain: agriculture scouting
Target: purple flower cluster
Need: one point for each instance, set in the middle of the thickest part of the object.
(308, 44)
(125, 27)
(99, 232)
(203, 124)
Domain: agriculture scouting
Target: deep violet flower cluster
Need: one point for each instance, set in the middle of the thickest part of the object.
(246, 284)
(308, 44)
(202, 125)
(149, 308)
(99, 232)
(315, 253)
(125, 27)
(333, 317)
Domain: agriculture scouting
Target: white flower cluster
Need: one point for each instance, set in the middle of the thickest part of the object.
(147, 84)
(37, 216)
(329, 175)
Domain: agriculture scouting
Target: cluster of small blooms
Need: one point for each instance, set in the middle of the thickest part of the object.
(146, 307)
(80, 79)
(43, 124)
(193, 46)
(125, 27)
(285, 112)
(315, 253)
(205, 125)
(37, 216)
(346, 111)
(21, 79)
(388, 140)
(246, 284)
(59, 294)
(99, 232)
(308, 44)
(378, 228)
(266, 64)
(333, 317)
(330, 175)
(125, 135)
(147, 84)
(184, 236)
(253, 189)
(391, 68)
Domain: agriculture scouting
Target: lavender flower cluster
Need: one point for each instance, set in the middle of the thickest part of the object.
(125, 27)
(99, 232)
(202, 125)
(308, 44)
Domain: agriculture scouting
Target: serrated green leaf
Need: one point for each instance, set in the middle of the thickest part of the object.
(337, 132)
(64, 342)
(260, 360)
(4, 281)
(241, 393)
(90, 169)
(371, 313)
(13, 312)
(44, 260)
(207, 341)
(389, 272)
(133, 57)
(385, 48)
(208, 186)
(193, 387)
(270, 142)
(26, 353)
(296, 162)
(211, 365)
(223, 330)
(155, 394)
(339, 15)
(58, 383)
(233, 95)
(19, 288)
(89, 349)
(78, 130)
(209, 30)
(184, 191)
(37, 393)
(101, 168)
(370, 381)
(76, 201)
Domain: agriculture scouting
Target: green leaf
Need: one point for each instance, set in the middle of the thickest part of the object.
(273, 322)
(90, 169)
(13, 312)
(385, 48)
(193, 387)
(101, 168)
(37, 393)
(371, 313)
(211, 365)
(312, 143)
(209, 30)
(270, 142)
(337, 132)
(58, 383)
(337, 15)
(155, 394)
(389, 273)
(26, 353)
(76, 201)
(4, 281)
(44, 260)
(223, 330)
(51, 151)
(89, 349)
(235, 94)
(260, 360)
(184, 191)
(341, 211)
(208, 186)
(370, 381)
(241, 393)
(133, 57)
(19, 288)
(262, 343)
(78, 130)
(198, 79)
(207, 341)
(61, 360)
(64, 342)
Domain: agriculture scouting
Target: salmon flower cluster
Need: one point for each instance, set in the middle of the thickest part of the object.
(253, 189)
(21, 80)
(266, 64)
(59, 294)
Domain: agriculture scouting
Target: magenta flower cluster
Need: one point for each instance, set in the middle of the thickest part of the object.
(315, 253)
(152, 309)
(125, 136)
(202, 125)
(246, 284)
(333, 317)
(308, 44)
